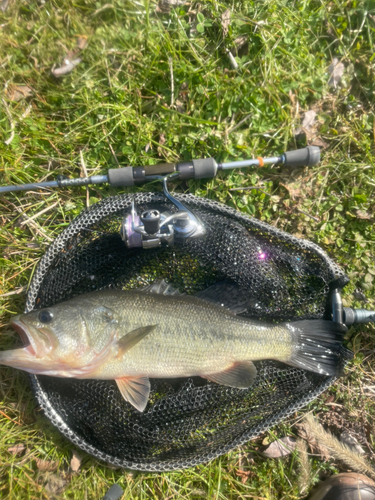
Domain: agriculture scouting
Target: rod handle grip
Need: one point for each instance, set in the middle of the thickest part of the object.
(120, 177)
(306, 157)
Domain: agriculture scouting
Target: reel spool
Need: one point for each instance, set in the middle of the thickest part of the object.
(187, 421)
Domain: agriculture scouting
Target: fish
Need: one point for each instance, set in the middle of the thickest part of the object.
(133, 335)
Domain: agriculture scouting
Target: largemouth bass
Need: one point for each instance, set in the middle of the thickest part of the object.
(131, 336)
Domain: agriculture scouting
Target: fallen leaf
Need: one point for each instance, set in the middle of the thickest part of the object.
(225, 21)
(362, 215)
(56, 484)
(17, 92)
(318, 141)
(17, 449)
(351, 442)
(180, 106)
(241, 45)
(46, 465)
(82, 42)
(358, 295)
(162, 141)
(309, 119)
(66, 68)
(4, 5)
(165, 6)
(307, 123)
(304, 432)
(280, 448)
(75, 462)
(336, 70)
(244, 475)
(309, 129)
(294, 189)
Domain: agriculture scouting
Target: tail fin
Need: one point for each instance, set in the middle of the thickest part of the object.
(318, 344)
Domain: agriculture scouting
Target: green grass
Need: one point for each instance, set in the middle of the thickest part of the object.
(116, 107)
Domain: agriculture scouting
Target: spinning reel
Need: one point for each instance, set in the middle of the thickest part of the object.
(151, 228)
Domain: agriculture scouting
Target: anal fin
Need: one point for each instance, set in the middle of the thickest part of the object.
(135, 390)
(240, 375)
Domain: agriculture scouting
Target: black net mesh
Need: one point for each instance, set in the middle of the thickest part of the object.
(187, 421)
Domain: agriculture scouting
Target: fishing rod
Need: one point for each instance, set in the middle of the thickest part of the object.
(194, 169)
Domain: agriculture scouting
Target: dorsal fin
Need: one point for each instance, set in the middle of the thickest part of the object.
(160, 287)
(228, 294)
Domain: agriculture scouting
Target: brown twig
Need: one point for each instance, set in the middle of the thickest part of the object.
(12, 124)
(39, 213)
(84, 172)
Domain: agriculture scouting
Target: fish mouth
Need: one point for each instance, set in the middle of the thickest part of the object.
(25, 335)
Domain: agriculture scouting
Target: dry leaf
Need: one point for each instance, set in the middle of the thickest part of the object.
(4, 5)
(46, 465)
(56, 484)
(17, 449)
(305, 433)
(165, 6)
(362, 215)
(17, 92)
(82, 42)
(294, 189)
(309, 129)
(162, 141)
(318, 141)
(241, 41)
(75, 462)
(336, 70)
(66, 68)
(280, 448)
(359, 295)
(244, 475)
(351, 442)
(180, 106)
(307, 123)
(309, 119)
(225, 21)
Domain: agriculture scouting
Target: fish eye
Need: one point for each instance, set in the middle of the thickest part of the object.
(45, 316)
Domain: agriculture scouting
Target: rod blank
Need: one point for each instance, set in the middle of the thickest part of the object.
(205, 168)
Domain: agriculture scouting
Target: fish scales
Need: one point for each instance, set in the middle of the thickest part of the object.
(192, 337)
(132, 336)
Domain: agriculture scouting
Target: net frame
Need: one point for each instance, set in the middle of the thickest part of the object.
(115, 208)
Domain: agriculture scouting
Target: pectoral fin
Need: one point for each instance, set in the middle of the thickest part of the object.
(131, 339)
(240, 375)
(135, 390)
